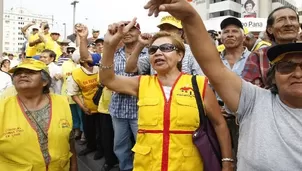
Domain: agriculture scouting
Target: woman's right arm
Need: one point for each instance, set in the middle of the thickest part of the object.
(121, 84)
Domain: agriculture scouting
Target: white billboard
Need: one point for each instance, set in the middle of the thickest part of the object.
(252, 24)
(250, 8)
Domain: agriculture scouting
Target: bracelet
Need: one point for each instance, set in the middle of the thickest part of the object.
(102, 67)
(227, 160)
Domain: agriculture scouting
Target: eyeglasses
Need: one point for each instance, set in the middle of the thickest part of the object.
(287, 67)
(167, 47)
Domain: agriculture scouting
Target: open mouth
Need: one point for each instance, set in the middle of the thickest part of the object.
(159, 61)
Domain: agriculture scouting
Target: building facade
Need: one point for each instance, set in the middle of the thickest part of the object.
(13, 21)
(252, 13)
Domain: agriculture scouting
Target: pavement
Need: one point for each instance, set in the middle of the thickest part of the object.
(86, 163)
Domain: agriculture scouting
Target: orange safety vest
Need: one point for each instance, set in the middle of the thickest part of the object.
(165, 127)
(19, 145)
(88, 85)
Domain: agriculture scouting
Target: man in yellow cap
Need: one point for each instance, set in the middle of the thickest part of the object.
(35, 119)
(171, 24)
(142, 65)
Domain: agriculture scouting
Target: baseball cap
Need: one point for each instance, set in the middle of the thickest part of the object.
(54, 31)
(100, 39)
(76, 56)
(230, 21)
(31, 64)
(278, 52)
(95, 30)
(35, 27)
(170, 20)
(64, 41)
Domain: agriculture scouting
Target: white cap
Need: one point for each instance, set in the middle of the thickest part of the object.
(54, 31)
(76, 56)
(35, 27)
(72, 45)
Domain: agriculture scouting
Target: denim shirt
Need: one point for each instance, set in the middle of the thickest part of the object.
(237, 67)
(122, 105)
(239, 64)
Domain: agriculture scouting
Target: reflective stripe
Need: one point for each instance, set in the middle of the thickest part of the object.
(143, 131)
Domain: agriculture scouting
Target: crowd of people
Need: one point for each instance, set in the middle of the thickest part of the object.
(128, 96)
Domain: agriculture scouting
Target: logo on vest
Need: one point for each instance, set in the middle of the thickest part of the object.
(64, 123)
(13, 132)
(186, 91)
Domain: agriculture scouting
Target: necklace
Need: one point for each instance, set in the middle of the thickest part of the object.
(30, 114)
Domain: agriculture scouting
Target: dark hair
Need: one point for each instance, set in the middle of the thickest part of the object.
(249, 2)
(271, 20)
(46, 78)
(2, 63)
(270, 80)
(51, 53)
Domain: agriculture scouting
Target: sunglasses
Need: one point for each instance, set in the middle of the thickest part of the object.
(70, 51)
(167, 47)
(287, 67)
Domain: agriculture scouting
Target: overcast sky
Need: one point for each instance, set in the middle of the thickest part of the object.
(94, 13)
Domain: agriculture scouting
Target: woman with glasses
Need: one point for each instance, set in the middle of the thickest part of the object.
(270, 121)
(168, 113)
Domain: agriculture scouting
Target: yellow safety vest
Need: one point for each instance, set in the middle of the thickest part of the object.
(261, 44)
(67, 68)
(165, 127)
(88, 85)
(220, 48)
(19, 145)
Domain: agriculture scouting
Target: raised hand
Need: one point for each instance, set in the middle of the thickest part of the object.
(116, 32)
(180, 9)
(82, 31)
(145, 39)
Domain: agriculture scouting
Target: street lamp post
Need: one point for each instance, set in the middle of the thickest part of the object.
(1, 26)
(74, 4)
(65, 36)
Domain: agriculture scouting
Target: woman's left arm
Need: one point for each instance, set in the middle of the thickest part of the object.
(214, 114)
(73, 159)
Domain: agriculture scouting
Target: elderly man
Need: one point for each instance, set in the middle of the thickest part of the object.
(282, 27)
(233, 57)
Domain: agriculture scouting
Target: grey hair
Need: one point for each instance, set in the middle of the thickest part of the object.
(262, 35)
(270, 80)
(250, 35)
(46, 78)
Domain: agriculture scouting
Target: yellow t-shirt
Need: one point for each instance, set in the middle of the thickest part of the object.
(105, 99)
(8, 92)
(104, 103)
(54, 46)
(41, 46)
(67, 68)
(31, 51)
